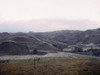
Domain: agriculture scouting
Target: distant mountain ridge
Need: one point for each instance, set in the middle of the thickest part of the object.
(63, 36)
(74, 37)
(49, 41)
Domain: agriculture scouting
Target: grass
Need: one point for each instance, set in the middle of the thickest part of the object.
(52, 67)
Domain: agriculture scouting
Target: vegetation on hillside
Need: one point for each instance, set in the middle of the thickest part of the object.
(52, 67)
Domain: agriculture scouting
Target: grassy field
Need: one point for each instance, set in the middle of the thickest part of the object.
(52, 67)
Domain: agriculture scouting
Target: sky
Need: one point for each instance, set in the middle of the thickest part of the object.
(48, 15)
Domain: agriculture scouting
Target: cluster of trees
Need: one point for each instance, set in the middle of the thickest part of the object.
(95, 52)
(91, 51)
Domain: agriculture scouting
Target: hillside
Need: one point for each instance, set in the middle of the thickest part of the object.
(13, 48)
(51, 41)
(74, 37)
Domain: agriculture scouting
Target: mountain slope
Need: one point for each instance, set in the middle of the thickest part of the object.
(12, 48)
(74, 37)
(31, 44)
(50, 41)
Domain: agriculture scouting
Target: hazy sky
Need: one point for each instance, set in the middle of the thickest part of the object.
(49, 15)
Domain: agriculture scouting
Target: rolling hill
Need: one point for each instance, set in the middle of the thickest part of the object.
(48, 41)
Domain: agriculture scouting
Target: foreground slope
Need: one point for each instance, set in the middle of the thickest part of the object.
(63, 66)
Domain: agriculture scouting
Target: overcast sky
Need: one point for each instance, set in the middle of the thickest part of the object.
(48, 15)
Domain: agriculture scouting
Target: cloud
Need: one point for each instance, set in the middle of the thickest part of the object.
(37, 9)
(42, 25)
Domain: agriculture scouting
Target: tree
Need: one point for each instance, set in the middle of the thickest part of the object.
(35, 51)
